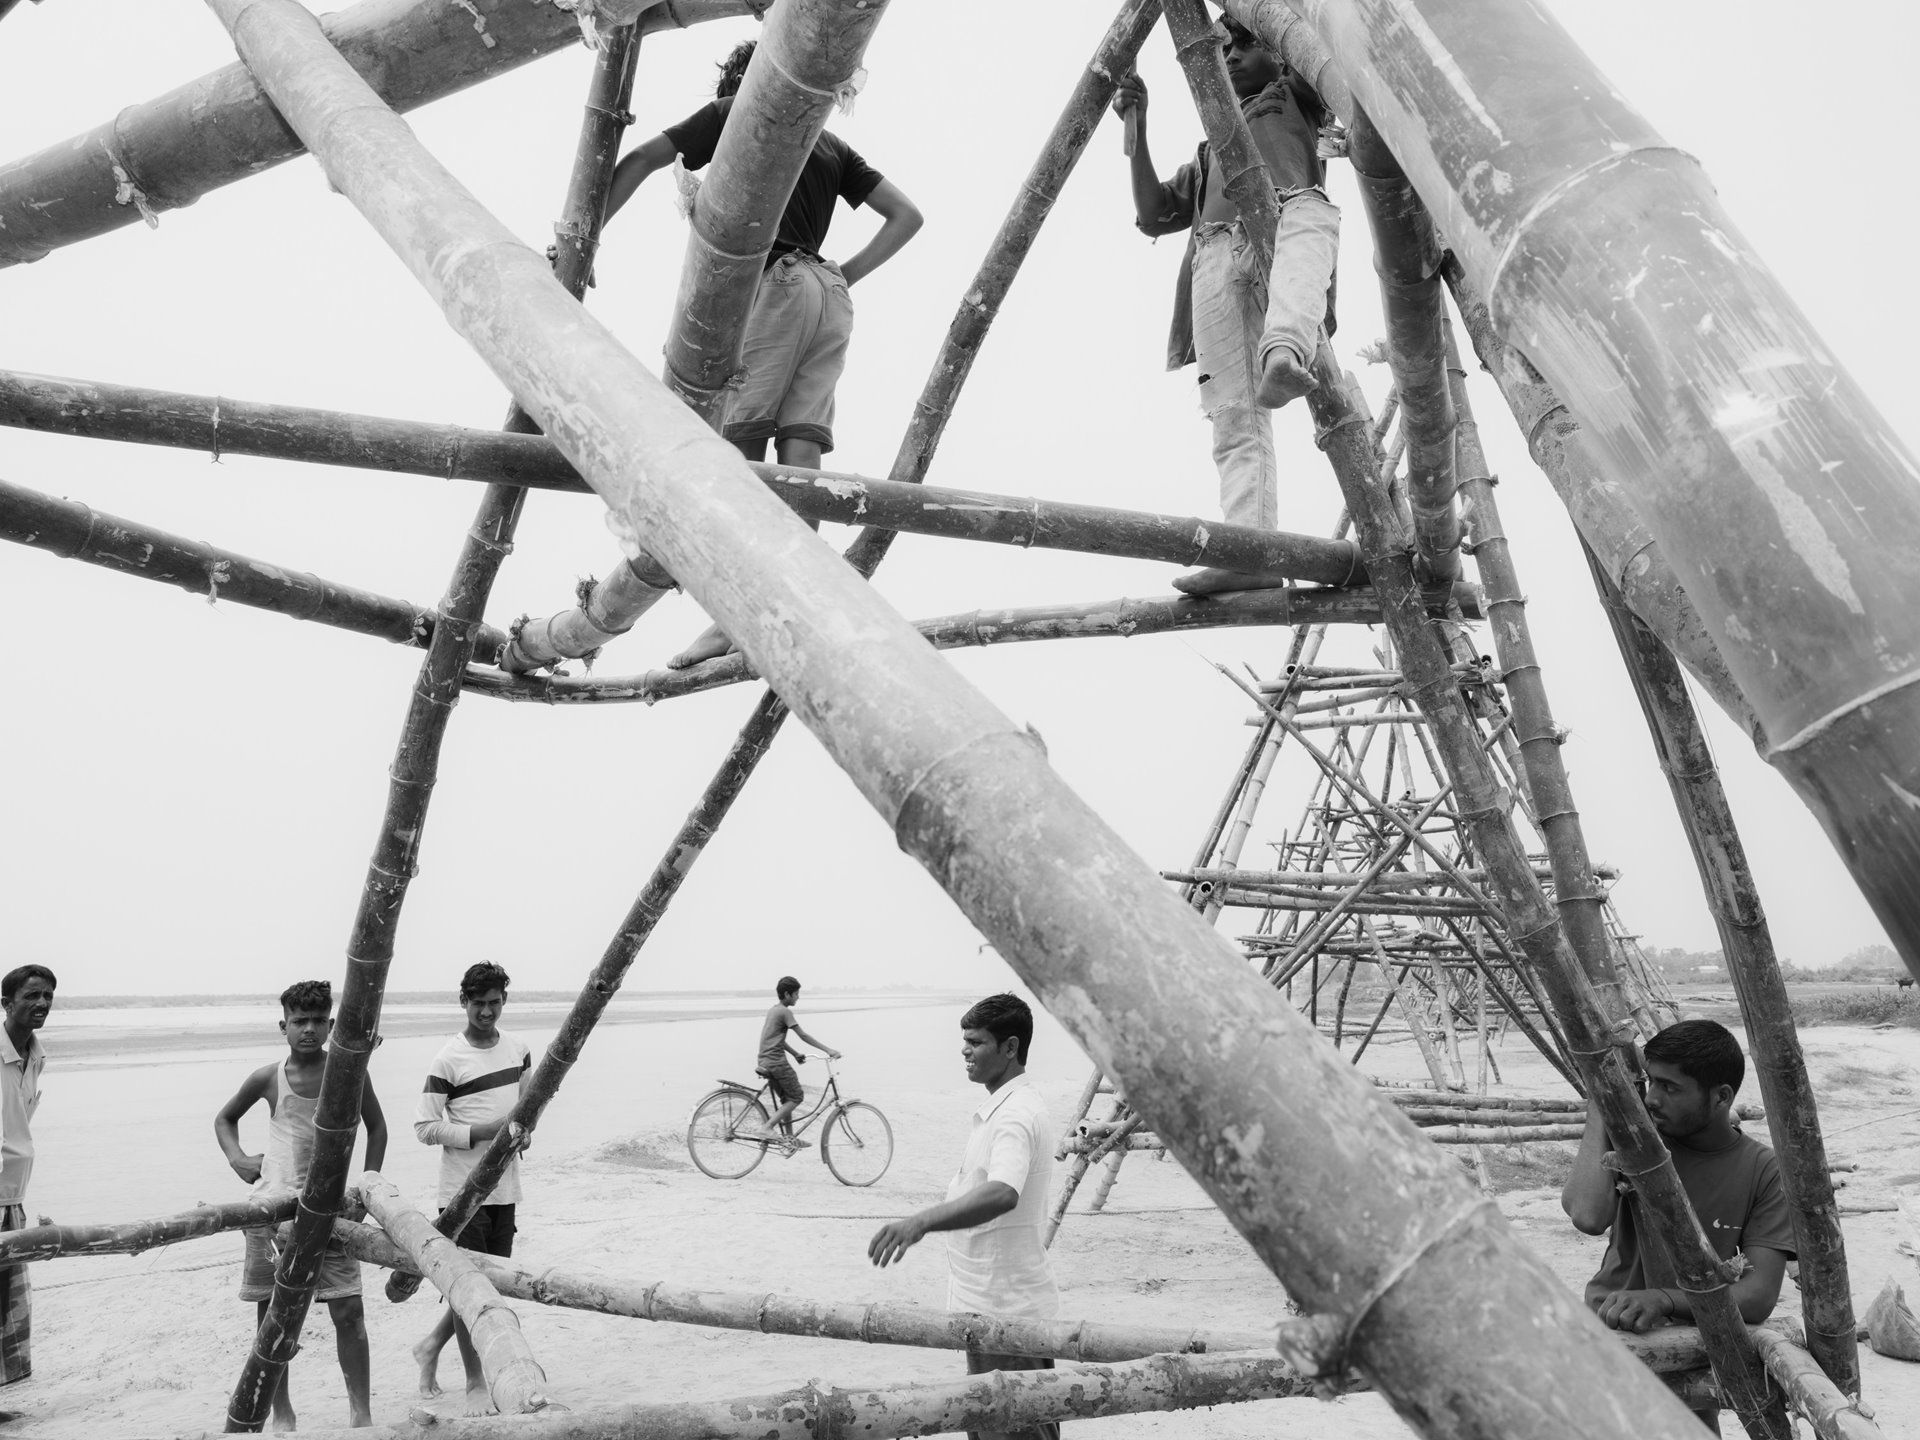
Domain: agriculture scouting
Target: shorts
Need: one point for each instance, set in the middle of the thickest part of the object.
(793, 352)
(490, 1232)
(785, 1084)
(339, 1271)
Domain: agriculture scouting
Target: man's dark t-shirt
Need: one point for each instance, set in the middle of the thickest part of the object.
(1736, 1193)
(833, 171)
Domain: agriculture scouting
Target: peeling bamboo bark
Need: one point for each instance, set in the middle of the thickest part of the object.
(514, 1378)
(1604, 517)
(1531, 921)
(169, 151)
(1407, 255)
(223, 426)
(1793, 1117)
(1783, 500)
(969, 795)
(1101, 619)
(75, 531)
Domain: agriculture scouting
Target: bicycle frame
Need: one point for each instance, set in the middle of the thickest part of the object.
(828, 1092)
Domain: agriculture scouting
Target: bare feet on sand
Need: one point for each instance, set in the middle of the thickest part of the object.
(1217, 582)
(712, 644)
(427, 1356)
(1283, 378)
(283, 1424)
(479, 1402)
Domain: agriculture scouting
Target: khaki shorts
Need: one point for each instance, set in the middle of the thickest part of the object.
(794, 350)
(339, 1271)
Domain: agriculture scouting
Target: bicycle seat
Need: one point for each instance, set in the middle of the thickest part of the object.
(743, 1085)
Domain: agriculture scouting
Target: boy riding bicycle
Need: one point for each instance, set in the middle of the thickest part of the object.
(772, 1064)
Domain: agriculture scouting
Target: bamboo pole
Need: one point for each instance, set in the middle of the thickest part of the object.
(416, 763)
(1833, 1415)
(1237, 165)
(1601, 513)
(74, 531)
(1783, 500)
(50, 1242)
(515, 1380)
(970, 796)
(1500, 1134)
(1097, 1150)
(1407, 255)
(1121, 618)
(1532, 921)
(169, 151)
(1793, 1117)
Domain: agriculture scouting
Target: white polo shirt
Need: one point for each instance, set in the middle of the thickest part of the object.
(1001, 1268)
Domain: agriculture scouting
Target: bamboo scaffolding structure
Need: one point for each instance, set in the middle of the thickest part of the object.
(1407, 255)
(1097, 1150)
(74, 531)
(1782, 499)
(1793, 1117)
(514, 1378)
(1532, 921)
(435, 692)
(970, 796)
(169, 151)
(1335, 880)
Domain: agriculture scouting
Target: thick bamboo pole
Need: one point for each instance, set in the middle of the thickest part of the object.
(75, 531)
(417, 760)
(169, 151)
(224, 426)
(1083, 920)
(1601, 513)
(50, 1242)
(515, 1380)
(1236, 162)
(1793, 1117)
(1531, 921)
(1406, 256)
(1783, 500)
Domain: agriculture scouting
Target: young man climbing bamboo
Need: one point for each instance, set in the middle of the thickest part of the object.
(291, 1090)
(1252, 334)
(771, 1062)
(1694, 1069)
(795, 345)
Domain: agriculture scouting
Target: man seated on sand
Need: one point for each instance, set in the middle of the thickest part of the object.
(472, 1087)
(771, 1064)
(291, 1090)
(1732, 1181)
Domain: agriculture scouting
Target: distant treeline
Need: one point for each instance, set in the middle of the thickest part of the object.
(1869, 965)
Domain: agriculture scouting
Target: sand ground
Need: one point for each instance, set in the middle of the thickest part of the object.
(150, 1345)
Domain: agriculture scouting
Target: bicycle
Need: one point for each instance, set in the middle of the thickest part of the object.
(726, 1141)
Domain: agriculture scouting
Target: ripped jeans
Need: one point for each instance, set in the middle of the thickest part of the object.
(1239, 317)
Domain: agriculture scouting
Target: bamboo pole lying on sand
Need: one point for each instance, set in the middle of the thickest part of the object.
(75, 531)
(1096, 934)
(169, 151)
(1781, 497)
(1406, 257)
(1121, 618)
(1531, 920)
(1793, 1117)
(515, 1380)
(1500, 1134)
(417, 759)
(224, 426)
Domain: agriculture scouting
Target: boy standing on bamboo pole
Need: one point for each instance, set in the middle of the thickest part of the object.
(1252, 335)
(291, 1090)
(795, 345)
(26, 993)
(1732, 1181)
(997, 1200)
(771, 1063)
(472, 1087)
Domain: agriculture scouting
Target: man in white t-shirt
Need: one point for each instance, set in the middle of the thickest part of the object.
(472, 1087)
(997, 1201)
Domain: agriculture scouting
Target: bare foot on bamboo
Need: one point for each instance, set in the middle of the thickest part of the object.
(1212, 581)
(712, 644)
(1283, 379)
(479, 1402)
(427, 1356)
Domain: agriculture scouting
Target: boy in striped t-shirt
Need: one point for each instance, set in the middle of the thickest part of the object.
(472, 1087)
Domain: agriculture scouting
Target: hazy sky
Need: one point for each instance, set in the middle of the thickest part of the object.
(193, 790)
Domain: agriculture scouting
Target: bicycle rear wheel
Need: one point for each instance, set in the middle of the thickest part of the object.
(857, 1144)
(722, 1136)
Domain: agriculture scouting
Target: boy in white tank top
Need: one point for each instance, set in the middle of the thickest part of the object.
(291, 1089)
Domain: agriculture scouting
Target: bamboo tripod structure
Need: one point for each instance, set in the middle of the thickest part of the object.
(966, 791)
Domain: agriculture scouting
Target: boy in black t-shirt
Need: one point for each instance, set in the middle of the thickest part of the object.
(795, 345)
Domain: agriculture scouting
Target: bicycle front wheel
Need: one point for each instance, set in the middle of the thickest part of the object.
(722, 1136)
(857, 1144)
